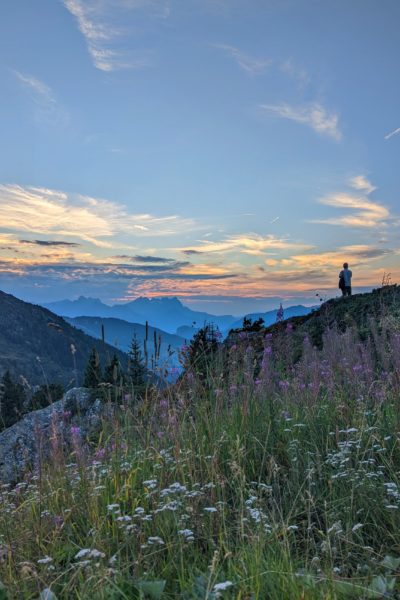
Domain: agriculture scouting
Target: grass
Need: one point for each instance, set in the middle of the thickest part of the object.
(272, 480)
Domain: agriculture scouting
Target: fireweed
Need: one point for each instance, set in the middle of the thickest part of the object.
(276, 477)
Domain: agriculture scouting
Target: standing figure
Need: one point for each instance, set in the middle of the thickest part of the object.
(345, 280)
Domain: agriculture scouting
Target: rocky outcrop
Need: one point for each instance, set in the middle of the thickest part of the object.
(38, 433)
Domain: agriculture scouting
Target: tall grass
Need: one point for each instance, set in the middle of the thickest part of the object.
(268, 479)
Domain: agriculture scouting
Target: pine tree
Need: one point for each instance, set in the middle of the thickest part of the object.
(202, 350)
(137, 372)
(93, 370)
(12, 398)
(113, 372)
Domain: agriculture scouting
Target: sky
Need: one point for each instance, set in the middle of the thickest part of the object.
(231, 153)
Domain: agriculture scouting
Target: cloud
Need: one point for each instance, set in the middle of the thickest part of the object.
(96, 19)
(191, 251)
(365, 212)
(152, 259)
(358, 254)
(392, 133)
(97, 221)
(249, 64)
(300, 75)
(362, 184)
(314, 115)
(246, 243)
(46, 106)
(48, 243)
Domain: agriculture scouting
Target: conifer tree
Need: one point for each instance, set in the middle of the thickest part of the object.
(12, 398)
(93, 370)
(137, 372)
(202, 350)
(113, 371)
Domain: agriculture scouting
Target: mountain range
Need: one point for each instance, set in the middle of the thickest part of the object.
(167, 314)
(43, 347)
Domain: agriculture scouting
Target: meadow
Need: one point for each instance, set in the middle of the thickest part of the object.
(258, 476)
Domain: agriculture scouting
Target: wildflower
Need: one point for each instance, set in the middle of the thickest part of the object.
(151, 484)
(113, 508)
(155, 540)
(210, 509)
(187, 534)
(46, 560)
(89, 553)
(47, 594)
(221, 587)
(356, 526)
(75, 430)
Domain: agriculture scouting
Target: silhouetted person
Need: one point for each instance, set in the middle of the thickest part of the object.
(345, 280)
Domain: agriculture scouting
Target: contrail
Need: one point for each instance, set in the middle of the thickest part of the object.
(392, 133)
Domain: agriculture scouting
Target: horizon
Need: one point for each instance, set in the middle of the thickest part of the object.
(231, 154)
(248, 305)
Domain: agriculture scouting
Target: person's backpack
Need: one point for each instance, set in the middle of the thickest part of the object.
(341, 281)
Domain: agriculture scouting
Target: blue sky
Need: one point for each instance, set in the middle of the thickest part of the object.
(207, 149)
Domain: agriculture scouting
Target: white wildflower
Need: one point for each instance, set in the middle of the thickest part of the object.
(155, 540)
(46, 560)
(187, 534)
(221, 587)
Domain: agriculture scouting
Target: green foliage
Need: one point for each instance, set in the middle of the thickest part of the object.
(12, 399)
(113, 371)
(45, 395)
(137, 371)
(3, 592)
(93, 376)
(201, 352)
(153, 590)
(249, 325)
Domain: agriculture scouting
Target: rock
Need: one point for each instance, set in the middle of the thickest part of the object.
(25, 443)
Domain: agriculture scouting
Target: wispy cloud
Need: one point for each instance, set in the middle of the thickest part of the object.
(96, 21)
(314, 115)
(97, 221)
(365, 213)
(46, 106)
(392, 133)
(361, 183)
(49, 243)
(249, 64)
(252, 244)
(299, 74)
(357, 255)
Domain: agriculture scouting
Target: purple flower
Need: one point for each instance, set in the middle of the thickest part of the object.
(75, 430)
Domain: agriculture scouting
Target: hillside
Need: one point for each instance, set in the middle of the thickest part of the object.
(36, 343)
(119, 333)
(269, 317)
(275, 480)
(365, 313)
